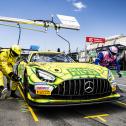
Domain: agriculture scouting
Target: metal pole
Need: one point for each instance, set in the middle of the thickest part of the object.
(69, 50)
(19, 33)
(38, 23)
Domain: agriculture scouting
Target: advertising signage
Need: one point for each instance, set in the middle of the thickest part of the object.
(95, 40)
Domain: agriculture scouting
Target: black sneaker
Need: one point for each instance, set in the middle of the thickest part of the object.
(120, 75)
(1, 89)
(13, 94)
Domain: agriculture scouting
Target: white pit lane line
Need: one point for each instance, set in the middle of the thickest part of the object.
(122, 85)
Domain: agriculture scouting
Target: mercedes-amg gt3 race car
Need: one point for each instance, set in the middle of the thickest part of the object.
(53, 78)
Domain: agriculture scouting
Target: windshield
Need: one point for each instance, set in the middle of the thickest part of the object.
(50, 58)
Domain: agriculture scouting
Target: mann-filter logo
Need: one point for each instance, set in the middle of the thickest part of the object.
(89, 87)
(82, 71)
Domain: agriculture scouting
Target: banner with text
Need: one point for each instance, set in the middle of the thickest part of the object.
(95, 40)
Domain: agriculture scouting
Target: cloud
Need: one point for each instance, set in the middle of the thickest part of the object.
(79, 6)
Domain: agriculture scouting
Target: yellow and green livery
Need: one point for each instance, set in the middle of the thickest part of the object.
(53, 78)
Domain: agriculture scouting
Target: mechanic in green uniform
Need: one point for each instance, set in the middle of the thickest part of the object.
(8, 58)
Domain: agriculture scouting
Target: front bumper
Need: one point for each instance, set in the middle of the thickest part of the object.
(52, 103)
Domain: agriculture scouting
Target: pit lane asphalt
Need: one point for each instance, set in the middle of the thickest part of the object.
(15, 112)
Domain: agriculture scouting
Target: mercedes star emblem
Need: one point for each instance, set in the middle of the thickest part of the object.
(89, 87)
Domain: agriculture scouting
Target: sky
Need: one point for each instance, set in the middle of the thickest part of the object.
(97, 18)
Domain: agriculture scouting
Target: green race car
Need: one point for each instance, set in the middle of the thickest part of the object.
(54, 79)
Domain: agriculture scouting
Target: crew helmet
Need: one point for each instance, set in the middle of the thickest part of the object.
(113, 49)
(15, 50)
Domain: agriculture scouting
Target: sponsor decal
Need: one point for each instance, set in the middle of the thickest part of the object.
(82, 71)
(43, 89)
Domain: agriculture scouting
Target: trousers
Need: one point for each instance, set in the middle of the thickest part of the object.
(14, 84)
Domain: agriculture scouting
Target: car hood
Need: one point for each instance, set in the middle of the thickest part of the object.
(73, 70)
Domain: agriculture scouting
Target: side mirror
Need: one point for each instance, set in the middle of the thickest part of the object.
(25, 60)
(22, 59)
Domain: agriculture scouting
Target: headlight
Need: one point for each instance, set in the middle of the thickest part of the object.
(111, 78)
(45, 76)
(112, 81)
